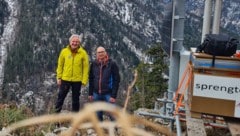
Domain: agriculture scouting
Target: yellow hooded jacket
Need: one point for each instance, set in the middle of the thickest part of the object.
(73, 67)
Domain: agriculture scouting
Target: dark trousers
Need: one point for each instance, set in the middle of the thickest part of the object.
(63, 91)
(102, 97)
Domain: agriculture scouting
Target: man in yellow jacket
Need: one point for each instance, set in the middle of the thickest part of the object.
(72, 72)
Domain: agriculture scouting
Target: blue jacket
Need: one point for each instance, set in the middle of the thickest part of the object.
(104, 78)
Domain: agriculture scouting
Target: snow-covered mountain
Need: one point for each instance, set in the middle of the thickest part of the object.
(32, 32)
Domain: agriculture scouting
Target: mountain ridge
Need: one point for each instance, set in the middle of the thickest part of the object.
(125, 28)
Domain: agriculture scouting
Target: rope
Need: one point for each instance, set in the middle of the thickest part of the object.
(186, 79)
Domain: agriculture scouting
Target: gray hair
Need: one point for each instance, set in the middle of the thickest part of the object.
(75, 35)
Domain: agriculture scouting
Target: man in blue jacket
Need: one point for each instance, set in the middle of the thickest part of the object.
(104, 79)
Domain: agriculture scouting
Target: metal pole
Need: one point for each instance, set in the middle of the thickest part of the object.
(176, 45)
(217, 16)
(178, 126)
(206, 18)
(156, 115)
(176, 48)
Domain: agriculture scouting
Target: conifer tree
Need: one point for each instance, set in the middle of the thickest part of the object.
(150, 83)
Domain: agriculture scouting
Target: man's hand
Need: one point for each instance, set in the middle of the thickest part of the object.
(90, 98)
(59, 82)
(84, 85)
(112, 100)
